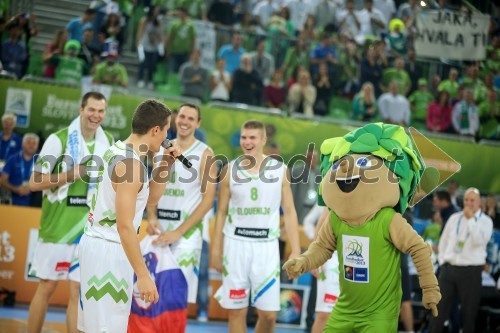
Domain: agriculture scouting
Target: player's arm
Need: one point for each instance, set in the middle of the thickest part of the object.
(208, 174)
(220, 218)
(290, 215)
(126, 196)
(159, 179)
(42, 177)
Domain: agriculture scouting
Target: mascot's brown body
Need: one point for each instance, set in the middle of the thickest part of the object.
(369, 175)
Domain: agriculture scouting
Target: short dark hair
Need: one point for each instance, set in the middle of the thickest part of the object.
(90, 11)
(92, 94)
(443, 195)
(148, 114)
(192, 106)
(254, 124)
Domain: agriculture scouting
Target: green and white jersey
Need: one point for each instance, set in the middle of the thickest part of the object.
(369, 265)
(183, 194)
(102, 218)
(64, 212)
(254, 205)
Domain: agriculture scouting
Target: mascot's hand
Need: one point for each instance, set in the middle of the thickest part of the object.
(295, 267)
(430, 299)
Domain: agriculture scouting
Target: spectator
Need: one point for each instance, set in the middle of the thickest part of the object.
(232, 53)
(326, 53)
(441, 201)
(455, 194)
(481, 94)
(439, 114)
(17, 171)
(419, 101)
(394, 107)
(308, 31)
(349, 22)
(11, 142)
(365, 104)
(472, 80)
(111, 72)
(274, 92)
(462, 256)
(149, 40)
(69, 68)
(491, 209)
(297, 56)
(304, 186)
(324, 89)
(396, 39)
(196, 8)
(247, 84)
(194, 78)
(75, 26)
(372, 21)
(221, 12)
(14, 52)
(53, 50)
(221, 82)
(29, 29)
(181, 38)
(262, 62)
(489, 117)
(325, 13)
(465, 117)
(112, 29)
(263, 11)
(387, 7)
(279, 31)
(349, 61)
(299, 10)
(302, 95)
(88, 53)
(371, 71)
(408, 12)
(398, 74)
(450, 85)
(435, 81)
(432, 232)
(414, 70)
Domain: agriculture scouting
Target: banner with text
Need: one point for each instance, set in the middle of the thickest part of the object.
(451, 35)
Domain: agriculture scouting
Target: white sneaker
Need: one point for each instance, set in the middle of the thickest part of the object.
(140, 84)
(151, 86)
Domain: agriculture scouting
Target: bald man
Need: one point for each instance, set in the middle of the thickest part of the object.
(462, 255)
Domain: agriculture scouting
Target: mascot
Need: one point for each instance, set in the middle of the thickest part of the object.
(369, 176)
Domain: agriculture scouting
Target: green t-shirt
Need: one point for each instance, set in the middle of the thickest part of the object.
(117, 71)
(63, 221)
(432, 232)
(450, 87)
(397, 43)
(4, 7)
(182, 36)
(70, 70)
(489, 125)
(370, 273)
(398, 75)
(421, 100)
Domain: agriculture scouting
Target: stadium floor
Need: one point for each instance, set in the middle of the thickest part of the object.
(13, 320)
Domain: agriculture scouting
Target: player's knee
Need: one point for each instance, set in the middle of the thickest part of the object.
(237, 314)
(322, 316)
(74, 290)
(47, 288)
(267, 316)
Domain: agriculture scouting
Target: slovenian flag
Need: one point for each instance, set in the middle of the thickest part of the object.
(170, 313)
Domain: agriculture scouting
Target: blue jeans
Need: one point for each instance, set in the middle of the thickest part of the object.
(149, 64)
(202, 298)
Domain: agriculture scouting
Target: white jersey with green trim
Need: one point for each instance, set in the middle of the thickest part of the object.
(255, 200)
(183, 193)
(102, 218)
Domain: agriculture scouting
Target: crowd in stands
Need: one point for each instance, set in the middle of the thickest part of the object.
(294, 55)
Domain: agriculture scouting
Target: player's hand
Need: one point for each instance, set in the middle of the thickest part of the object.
(216, 262)
(295, 267)
(167, 237)
(23, 190)
(78, 172)
(147, 289)
(315, 273)
(430, 299)
(171, 153)
(153, 227)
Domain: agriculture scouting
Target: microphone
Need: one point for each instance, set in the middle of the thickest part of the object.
(167, 144)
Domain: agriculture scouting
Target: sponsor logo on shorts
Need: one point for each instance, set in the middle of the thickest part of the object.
(171, 215)
(63, 266)
(237, 293)
(252, 232)
(330, 299)
(76, 201)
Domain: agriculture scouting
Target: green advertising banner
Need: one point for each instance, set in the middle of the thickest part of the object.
(43, 109)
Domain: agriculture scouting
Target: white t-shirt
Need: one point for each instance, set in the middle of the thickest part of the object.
(220, 91)
(394, 108)
(367, 28)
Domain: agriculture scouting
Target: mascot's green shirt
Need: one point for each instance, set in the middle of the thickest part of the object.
(369, 289)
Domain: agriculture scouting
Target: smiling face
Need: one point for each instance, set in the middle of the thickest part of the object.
(186, 121)
(362, 181)
(92, 114)
(252, 141)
